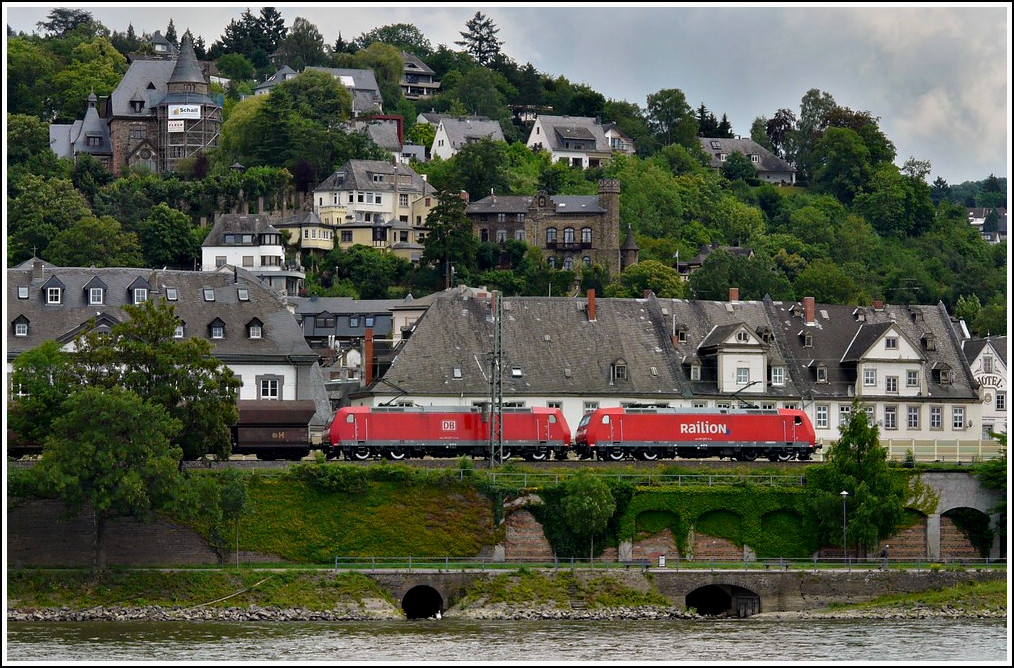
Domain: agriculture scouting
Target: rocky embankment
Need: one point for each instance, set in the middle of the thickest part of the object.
(369, 610)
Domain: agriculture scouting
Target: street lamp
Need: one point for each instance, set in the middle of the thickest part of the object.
(844, 525)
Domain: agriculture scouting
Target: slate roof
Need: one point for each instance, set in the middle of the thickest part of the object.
(414, 64)
(435, 118)
(281, 339)
(836, 329)
(460, 130)
(187, 69)
(383, 134)
(362, 84)
(522, 203)
(973, 347)
(232, 223)
(572, 127)
(550, 340)
(358, 175)
(284, 73)
(92, 126)
(767, 161)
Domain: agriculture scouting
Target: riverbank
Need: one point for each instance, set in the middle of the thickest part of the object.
(75, 596)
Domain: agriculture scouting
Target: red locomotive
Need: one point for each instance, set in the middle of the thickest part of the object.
(653, 433)
(400, 432)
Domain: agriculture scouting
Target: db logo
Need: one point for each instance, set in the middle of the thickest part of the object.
(448, 425)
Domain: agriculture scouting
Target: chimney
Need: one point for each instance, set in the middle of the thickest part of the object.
(464, 195)
(734, 295)
(37, 268)
(646, 294)
(591, 305)
(878, 305)
(368, 358)
(808, 310)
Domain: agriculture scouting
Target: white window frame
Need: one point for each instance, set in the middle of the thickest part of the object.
(936, 417)
(178, 333)
(913, 417)
(1001, 401)
(218, 331)
(844, 414)
(140, 295)
(822, 412)
(890, 417)
(869, 377)
(891, 384)
(22, 292)
(95, 295)
(958, 417)
(891, 343)
(778, 376)
(911, 378)
(21, 329)
(742, 375)
(54, 295)
(256, 331)
(269, 388)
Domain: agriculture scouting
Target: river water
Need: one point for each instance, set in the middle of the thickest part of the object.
(874, 641)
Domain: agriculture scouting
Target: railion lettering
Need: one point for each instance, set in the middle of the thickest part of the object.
(704, 428)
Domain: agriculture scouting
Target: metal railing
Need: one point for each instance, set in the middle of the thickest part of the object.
(646, 479)
(662, 562)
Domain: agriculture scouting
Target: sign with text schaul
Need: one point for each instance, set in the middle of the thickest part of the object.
(181, 111)
(177, 126)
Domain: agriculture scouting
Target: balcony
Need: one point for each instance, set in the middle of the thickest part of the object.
(568, 245)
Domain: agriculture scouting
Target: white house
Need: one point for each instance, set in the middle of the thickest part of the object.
(454, 133)
(987, 358)
(251, 242)
(574, 140)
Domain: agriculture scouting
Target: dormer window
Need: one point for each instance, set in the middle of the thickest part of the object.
(353, 321)
(821, 373)
(140, 295)
(722, 157)
(754, 158)
(95, 295)
(619, 370)
(929, 342)
(53, 295)
(255, 329)
(178, 333)
(808, 340)
(681, 335)
(136, 106)
(217, 329)
(21, 326)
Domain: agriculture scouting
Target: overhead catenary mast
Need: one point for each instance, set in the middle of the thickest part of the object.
(496, 385)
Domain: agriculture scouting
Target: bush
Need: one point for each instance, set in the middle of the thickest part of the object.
(331, 477)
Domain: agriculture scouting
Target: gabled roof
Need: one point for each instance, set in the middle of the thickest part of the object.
(284, 73)
(414, 64)
(766, 160)
(358, 175)
(550, 341)
(460, 131)
(558, 128)
(231, 223)
(382, 133)
(972, 348)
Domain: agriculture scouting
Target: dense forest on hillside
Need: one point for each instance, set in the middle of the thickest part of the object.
(857, 227)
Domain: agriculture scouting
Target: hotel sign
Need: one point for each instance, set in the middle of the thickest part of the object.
(177, 126)
(181, 111)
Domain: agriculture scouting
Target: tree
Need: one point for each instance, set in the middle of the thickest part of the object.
(167, 239)
(480, 168)
(143, 355)
(652, 275)
(758, 133)
(92, 241)
(781, 130)
(738, 166)
(449, 237)
(38, 387)
(480, 39)
(404, 36)
(587, 506)
(271, 29)
(992, 474)
(857, 464)
(841, 164)
(303, 46)
(170, 34)
(62, 21)
(42, 209)
(112, 451)
(235, 66)
(813, 120)
(671, 119)
(30, 70)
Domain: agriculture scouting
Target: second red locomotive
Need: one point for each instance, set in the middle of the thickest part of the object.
(400, 432)
(653, 433)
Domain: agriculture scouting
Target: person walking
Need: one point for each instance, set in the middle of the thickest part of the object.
(883, 558)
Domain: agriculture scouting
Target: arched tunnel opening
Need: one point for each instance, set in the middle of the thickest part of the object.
(723, 600)
(422, 602)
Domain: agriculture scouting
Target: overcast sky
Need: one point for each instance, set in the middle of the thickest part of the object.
(937, 76)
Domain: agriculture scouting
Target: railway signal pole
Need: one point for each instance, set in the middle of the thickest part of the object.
(496, 385)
